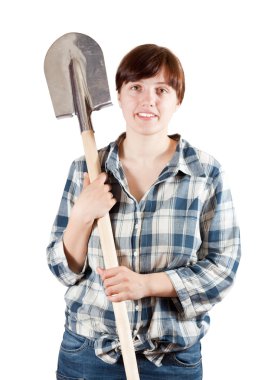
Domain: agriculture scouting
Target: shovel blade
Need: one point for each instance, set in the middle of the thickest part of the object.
(82, 48)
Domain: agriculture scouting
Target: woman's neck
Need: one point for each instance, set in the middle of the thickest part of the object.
(145, 148)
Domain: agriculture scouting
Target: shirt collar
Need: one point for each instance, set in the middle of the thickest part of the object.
(185, 159)
(112, 161)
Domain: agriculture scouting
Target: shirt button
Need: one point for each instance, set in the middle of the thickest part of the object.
(136, 226)
(137, 308)
(135, 332)
(135, 253)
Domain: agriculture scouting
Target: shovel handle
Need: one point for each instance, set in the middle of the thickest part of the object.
(110, 260)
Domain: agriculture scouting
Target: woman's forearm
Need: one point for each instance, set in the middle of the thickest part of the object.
(75, 243)
(159, 285)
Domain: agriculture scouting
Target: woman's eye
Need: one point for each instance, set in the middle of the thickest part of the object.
(162, 91)
(135, 87)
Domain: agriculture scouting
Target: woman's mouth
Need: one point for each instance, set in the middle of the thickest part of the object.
(146, 115)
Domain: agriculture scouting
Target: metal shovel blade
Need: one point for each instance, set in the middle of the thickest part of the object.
(58, 65)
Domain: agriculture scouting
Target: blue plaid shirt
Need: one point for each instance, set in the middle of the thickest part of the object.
(184, 225)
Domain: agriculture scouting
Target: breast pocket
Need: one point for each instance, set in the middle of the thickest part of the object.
(171, 233)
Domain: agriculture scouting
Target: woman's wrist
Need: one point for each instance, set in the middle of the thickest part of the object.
(158, 285)
(79, 221)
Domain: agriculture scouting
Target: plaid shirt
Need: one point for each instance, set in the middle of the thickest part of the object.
(184, 225)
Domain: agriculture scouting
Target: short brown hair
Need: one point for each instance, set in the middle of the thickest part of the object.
(145, 61)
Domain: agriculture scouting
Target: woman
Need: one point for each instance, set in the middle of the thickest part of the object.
(175, 233)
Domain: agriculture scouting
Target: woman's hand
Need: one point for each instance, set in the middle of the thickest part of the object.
(122, 284)
(94, 201)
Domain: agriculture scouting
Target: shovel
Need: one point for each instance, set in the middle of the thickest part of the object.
(77, 82)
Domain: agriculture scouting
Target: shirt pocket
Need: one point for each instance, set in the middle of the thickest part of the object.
(170, 239)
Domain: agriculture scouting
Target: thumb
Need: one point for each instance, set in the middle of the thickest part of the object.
(86, 181)
(100, 271)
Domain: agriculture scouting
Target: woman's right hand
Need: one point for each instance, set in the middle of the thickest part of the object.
(94, 201)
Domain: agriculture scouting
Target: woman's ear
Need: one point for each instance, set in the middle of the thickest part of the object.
(177, 106)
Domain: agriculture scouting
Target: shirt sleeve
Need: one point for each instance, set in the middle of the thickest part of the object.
(57, 261)
(203, 283)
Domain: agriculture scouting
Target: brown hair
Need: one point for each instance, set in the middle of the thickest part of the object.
(145, 61)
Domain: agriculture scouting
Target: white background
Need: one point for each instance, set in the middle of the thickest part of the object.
(223, 48)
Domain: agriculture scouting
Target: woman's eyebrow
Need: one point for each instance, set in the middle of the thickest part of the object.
(165, 83)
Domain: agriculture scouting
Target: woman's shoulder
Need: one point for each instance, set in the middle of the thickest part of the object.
(195, 157)
(79, 164)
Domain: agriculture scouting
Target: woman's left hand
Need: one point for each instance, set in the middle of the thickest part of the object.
(123, 284)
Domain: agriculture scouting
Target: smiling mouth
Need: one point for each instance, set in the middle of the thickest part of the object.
(146, 115)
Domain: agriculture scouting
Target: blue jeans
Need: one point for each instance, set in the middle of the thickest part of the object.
(77, 361)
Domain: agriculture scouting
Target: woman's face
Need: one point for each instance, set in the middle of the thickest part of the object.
(148, 104)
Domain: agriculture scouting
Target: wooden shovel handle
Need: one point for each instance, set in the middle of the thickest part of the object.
(110, 260)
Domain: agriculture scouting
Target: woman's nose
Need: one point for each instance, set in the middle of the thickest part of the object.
(148, 98)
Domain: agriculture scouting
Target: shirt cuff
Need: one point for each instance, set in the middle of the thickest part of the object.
(183, 301)
(64, 273)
